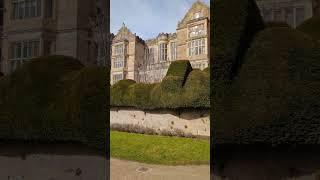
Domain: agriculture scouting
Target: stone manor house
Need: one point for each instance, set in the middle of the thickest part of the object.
(32, 28)
(147, 61)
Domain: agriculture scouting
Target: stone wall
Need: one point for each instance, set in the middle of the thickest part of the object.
(195, 122)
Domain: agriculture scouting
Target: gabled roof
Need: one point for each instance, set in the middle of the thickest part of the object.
(198, 5)
(124, 34)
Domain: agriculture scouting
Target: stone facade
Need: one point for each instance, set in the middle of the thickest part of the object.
(195, 122)
(293, 12)
(45, 27)
(147, 61)
(316, 7)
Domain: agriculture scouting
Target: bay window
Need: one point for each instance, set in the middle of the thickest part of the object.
(117, 77)
(197, 47)
(22, 51)
(26, 8)
(118, 62)
(196, 30)
(163, 52)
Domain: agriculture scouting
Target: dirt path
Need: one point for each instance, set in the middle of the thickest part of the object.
(127, 170)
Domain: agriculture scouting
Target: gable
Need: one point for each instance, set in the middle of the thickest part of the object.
(196, 7)
(124, 34)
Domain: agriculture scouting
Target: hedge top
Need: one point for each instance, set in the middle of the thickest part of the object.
(275, 98)
(311, 27)
(54, 99)
(235, 23)
(179, 89)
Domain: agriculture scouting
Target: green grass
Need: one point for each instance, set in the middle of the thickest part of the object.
(159, 149)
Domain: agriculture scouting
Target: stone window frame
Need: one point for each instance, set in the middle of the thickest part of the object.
(23, 9)
(117, 77)
(118, 62)
(173, 46)
(163, 52)
(22, 51)
(151, 55)
(196, 30)
(197, 47)
(119, 49)
(197, 15)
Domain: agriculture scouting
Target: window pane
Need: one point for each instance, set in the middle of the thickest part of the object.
(21, 10)
(26, 52)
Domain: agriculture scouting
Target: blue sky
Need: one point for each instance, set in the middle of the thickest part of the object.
(148, 18)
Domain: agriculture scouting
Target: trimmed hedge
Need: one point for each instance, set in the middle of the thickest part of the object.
(234, 24)
(55, 99)
(277, 24)
(196, 89)
(311, 27)
(275, 99)
(120, 93)
(181, 88)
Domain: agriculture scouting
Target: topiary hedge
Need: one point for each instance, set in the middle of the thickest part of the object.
(180, 88)
(311, 27)
(275, 98)
(120, 93)
(55, 99)
(277, 24)
(234, 24)
(196, 89)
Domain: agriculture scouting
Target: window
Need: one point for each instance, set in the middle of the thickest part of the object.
(196, 30)
(278, 15)
(151, 55)
(289, 16)
(196, 47)
(26, 8)
(117, 77)
(22, 51)
(267, 14)
(163, 52)
(300, 13)
(173, 51)
(1, 12)
(118, 62)
(197, 15)
(119, 49)
(49, 8)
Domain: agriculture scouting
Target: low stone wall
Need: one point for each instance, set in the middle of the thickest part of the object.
(195, 122)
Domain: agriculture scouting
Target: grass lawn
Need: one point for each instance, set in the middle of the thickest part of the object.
(159, 149)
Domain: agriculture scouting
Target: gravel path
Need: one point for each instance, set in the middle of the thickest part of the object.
(127, 170)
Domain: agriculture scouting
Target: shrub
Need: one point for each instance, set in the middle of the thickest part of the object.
(140, 95)
(275, 98)
(197, 89)
(170, 93)
(311, 27)
(235, 23)
(120, 93)
(179, 68)
(54, 99)
(277, 24)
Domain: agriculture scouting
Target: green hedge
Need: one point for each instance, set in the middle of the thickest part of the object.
(275, 99)
(180, 88)
(277, 24)
(120, 93)
(54, 99)
(234, 24)
(311, 27)
(196, 89)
